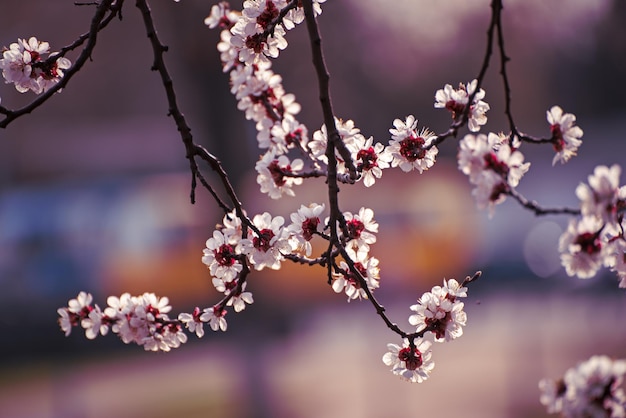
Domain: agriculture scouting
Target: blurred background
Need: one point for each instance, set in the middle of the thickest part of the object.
(94, 196)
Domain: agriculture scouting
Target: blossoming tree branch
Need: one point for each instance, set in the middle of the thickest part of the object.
(250, 40)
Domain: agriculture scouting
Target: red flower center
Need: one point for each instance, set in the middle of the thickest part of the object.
(361, 269)
(231, 285)
(85, 311)
(411, 148)
(438, 325)
(218, 311)
(497, 191)
(255, 42)
(368, 157)
(34, 56)
(589, 243)
(152, 310)
(262, 242)
(455, 107)
(293, 137)
(278, 173)
(492, 163)
(309, 227)
(412, 358)
(196, 314)
(269, 14)
(225, 23)
(557, 137)
(225, 255)
(355, 228)
(49, 71)
(274, 108)
(352, 279)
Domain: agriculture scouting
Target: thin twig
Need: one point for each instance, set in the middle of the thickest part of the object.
(497, 10)
(538, 210)
(323, 78)
(192, 149)
(458, 124)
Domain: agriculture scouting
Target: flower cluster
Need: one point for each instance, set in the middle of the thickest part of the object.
(30, 66)
(408, 149)
(591, 389)
(263, 244)
(248, 40)
(597, 238)
(438, 312)
(235, 246)
(225, 258)
(276, 174)
(369, 158)
(141, 320)
(269, 241)
(493, 162)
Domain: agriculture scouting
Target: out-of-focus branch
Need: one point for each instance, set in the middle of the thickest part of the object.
(105, 12)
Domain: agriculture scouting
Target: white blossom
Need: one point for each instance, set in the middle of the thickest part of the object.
(215, 318)
(266, 249)
(456, 100)
(492, 165)
(25, 64)
(582, 251)
(274, 174)
(441, 312)
(305, 223)
(370, 159)
(193, 322)
(361, 229)
(565, 134)
(413, 364)
(409, 149)
(220, 256)
(602, 196)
